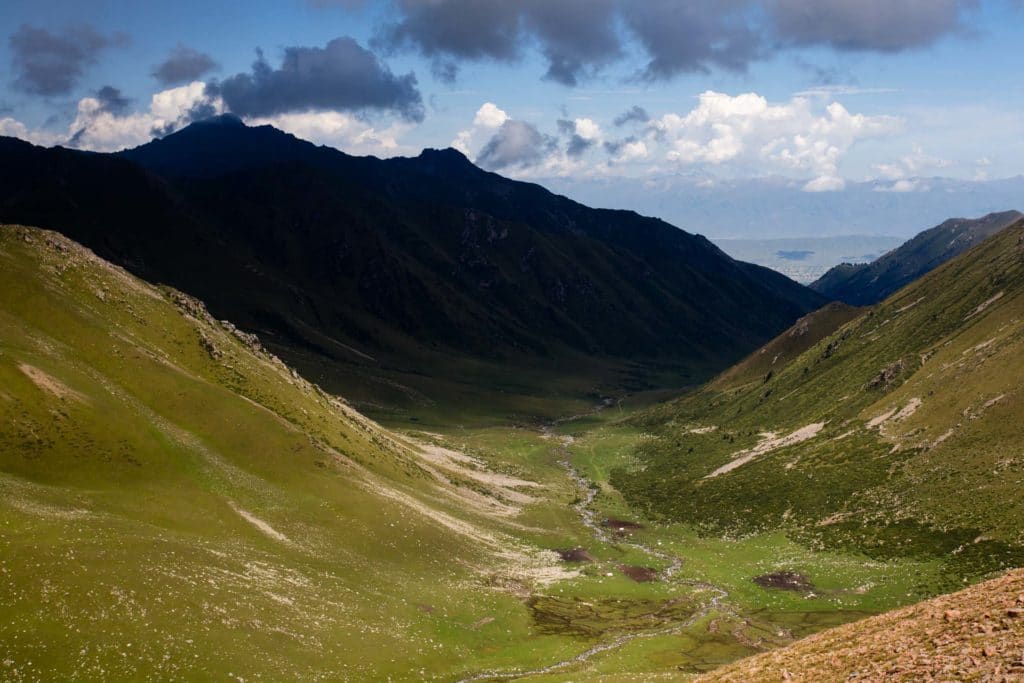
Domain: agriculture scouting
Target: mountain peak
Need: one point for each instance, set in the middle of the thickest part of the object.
(447, 154)
(226, 119)
(447, 160)
(216, 145)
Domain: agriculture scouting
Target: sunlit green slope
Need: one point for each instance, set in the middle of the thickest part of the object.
(176, 503)
(899, 434)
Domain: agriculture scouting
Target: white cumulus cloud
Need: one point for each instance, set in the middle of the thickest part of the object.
(13, 128)
(746, 134)
(340, 130)
(587, 129)
(99, 130)
(631, 150)
(96, 128)
(489, 117)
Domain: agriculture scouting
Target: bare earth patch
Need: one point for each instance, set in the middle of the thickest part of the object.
(51, 384)
(701, 430)
(575, 555)
(770, 441)
(985, 304)
(880, 422)
(261, 525)
(787, 581)
(445, 464)
(639, 574)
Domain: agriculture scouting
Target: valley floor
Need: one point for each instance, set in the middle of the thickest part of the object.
(621, 597)
(658, 600)
(177, 504)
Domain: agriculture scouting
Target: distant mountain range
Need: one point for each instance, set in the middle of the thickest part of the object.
(860, 284)
(805, 259)
(370, 275)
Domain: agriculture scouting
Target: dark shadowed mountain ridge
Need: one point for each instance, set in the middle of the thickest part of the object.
(863, 284)
(369, 273)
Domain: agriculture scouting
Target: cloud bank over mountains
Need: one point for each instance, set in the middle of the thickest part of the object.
(341, 76)
(391, 89)
(579, 38)
(736, 136)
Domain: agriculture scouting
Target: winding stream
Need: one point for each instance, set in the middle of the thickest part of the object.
(589, 519)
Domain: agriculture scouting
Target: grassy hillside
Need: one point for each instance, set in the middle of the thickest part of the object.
(863, 284)
(898, 435)
(177, 503)
(761, 365)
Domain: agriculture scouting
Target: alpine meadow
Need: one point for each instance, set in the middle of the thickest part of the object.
(459, 340)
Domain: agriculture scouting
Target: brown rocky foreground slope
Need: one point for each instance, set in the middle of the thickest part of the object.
(976, 634)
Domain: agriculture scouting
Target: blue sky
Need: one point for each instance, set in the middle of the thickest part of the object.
(824, 94)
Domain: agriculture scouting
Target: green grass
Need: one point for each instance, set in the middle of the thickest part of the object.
(177, 503)
(129, 451)
(936, 483)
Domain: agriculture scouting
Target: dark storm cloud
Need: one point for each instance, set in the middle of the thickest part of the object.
(51, 64)
(516, 143)
(453, 30)
(635, 114)
(183, 65)
(576, 37)
(693, 36)
(867, 25)
(341, 76)
(112, 100)
(580, 37)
